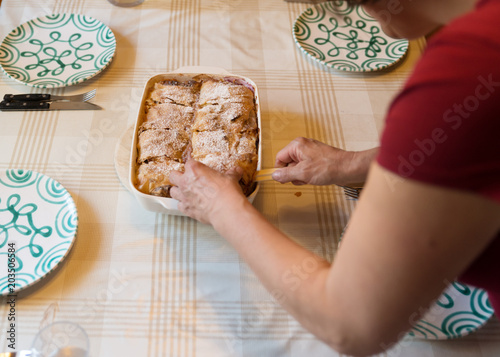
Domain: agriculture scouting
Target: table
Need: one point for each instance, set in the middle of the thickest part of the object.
(149, 284)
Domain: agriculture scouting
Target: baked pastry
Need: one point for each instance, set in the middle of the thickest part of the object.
(161, 143)
(220, 92)
(174, 92)
(209, 142)
(224, 151)
(153, 176)
(213, 121)
(169, 116)
(233, 117)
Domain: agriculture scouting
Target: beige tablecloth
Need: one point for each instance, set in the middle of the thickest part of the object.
(149, 284)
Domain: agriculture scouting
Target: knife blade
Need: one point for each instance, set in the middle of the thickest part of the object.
(22, 106)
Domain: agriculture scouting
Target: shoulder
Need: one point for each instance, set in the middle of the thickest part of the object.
(443, 127)
(464, 49)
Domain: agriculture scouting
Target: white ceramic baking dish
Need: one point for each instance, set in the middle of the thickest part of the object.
(169, 205)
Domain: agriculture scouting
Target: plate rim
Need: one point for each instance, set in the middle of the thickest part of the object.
(80, 81)
(342, 69)
(68, 200)
(462, 297)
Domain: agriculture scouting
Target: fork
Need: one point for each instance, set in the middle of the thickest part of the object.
(352, 192)
(39, 97)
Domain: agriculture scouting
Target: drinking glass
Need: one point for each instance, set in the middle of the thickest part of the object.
(61, 339)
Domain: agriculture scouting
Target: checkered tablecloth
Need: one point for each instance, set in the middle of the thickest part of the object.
(149, 284)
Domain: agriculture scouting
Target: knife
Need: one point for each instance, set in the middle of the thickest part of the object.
(36, 97)
(21, 106)
(45, 97)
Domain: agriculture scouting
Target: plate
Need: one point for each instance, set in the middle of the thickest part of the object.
(38, 224)
(460, 310)
(57, 50)
(346, 38)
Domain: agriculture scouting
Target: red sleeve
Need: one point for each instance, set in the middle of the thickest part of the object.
(444, 127)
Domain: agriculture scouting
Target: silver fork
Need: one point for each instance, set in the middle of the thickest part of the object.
(352, 192)
(39, 97)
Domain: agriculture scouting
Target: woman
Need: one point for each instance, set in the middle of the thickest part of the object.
(430, 209)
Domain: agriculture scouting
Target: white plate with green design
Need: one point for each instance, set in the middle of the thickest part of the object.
(38, 224)
(459, 311)
(346, 38)
(57, 50)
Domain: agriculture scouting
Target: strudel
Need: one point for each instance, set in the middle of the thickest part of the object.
(213, 121)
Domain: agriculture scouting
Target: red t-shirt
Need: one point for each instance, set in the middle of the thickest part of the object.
(444, 127)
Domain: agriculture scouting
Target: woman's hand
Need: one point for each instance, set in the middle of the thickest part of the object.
(203, 192)
(308, 161)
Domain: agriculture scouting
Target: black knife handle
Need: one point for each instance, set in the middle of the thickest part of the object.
(24, 105)
(36, 97)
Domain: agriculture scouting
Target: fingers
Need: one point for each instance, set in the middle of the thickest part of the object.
(296, 151)
(289, 174)
(193, 166)
(286, 155)
(175, 177)
(176, 193)
(235, 173)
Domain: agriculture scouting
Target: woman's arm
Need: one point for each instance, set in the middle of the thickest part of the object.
(403, 245)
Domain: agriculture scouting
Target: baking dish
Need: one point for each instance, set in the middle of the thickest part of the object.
(169, 205)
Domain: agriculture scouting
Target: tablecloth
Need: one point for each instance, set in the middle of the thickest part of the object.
(149, 284)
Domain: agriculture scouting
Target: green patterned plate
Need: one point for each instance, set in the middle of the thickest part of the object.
(38, 224)
(460, 310)
(346, 38)
(57, 50)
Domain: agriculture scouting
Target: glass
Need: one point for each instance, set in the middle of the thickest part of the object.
(126, 3)
(61, 339)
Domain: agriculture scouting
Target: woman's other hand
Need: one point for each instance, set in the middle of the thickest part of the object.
(203, 192)
(308, 161)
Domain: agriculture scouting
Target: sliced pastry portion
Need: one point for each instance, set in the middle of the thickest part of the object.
(210, 142)
(219, 92)
(169, 116)
(246, 143)
(156, 143)
(233, 117)
(153, 176)
(175, 92)
(224, 151)
(224, 162)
